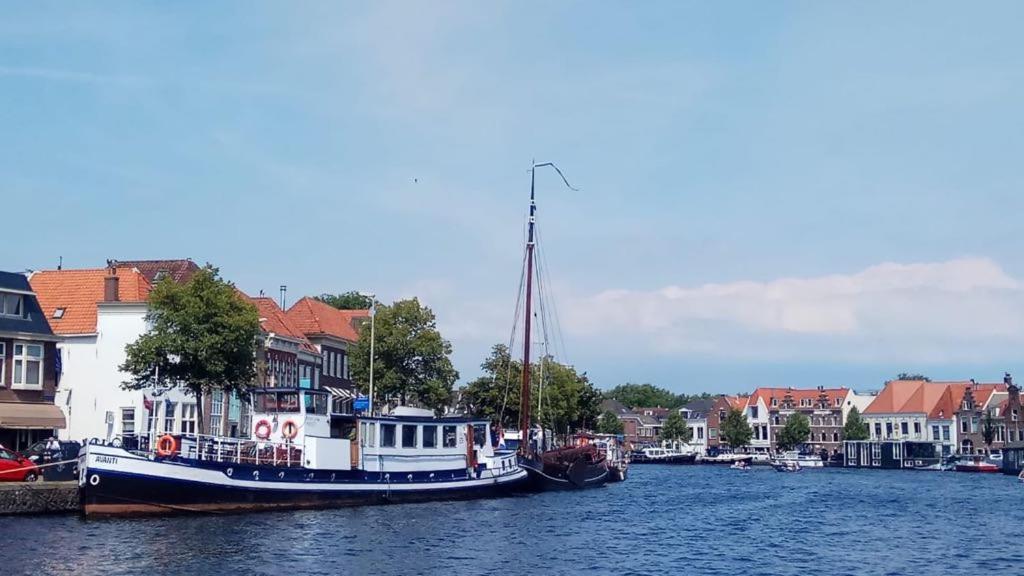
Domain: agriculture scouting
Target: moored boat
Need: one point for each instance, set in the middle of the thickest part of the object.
(786, 466)
(615, 454)
(804, 460)
(975, 463)
(300, 457)
(726, 458)
(659, 455)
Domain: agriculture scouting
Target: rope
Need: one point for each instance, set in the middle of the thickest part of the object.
(37, 466)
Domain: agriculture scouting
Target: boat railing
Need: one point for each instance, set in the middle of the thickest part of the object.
(210, 448)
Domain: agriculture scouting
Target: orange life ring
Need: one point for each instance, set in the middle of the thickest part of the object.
(289, 430)
(262, 430)
(167, 446)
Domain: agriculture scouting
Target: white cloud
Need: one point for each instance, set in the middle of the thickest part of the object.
(966, 309)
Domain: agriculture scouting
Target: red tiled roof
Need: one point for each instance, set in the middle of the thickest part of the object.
(314, 318)
(798, 394)
(79, 291)
(893, 397)
(273, 319)
(181, 271)
(936, 399)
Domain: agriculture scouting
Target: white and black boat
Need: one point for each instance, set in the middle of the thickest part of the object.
(300, 457)
(659, 455)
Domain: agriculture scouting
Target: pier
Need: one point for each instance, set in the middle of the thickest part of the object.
(38, 498)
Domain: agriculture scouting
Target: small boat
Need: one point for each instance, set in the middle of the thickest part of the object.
(1021, 476)
(657, 455)
(804, 460)
(740, 465)
(786, 466)
(728, 459)
(975, 463)
(616, 456)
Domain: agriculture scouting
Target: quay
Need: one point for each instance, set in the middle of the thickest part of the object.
(38, 497)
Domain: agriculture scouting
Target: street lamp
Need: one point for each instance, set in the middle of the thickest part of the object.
(373, 312)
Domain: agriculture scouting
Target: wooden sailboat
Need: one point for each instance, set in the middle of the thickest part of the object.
(570, 467)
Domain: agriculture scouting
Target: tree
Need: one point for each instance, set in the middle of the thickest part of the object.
(202, 337)
(350, 300)
(634, 395)
(855, 428)
(609, 423)
(735, 429)
(914, 376)
(988, 430)
(411, 359)
(796, 431)
(495, 390)
(674, 428)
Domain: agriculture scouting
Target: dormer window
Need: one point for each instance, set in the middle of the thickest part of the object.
(775, 402)
(12, 305)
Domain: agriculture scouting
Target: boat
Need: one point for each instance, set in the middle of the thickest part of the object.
(617, 457)
(658, 455)
(786, 466)
(569, 467)
(804, 460)
(726, 458)
(299, 456)
(1021, 476)
(740, 465)
(975, 463)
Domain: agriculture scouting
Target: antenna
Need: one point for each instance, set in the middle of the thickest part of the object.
(60, 263)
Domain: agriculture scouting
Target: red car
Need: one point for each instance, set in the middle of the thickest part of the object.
(16, 468)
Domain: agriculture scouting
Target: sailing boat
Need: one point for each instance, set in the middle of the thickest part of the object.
(570, 467)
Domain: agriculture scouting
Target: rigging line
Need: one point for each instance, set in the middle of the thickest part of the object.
(552, 164)
(512, 338)
(557, 339)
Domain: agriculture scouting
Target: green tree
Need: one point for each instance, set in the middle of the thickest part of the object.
(497, 388)
(202, 338)
(735, 429)
(988, 430)
(674, 428)
(411, 359)
(796, 431)
(855, 428)
(634, 395)
(912, 376)
(609, 423)
(350, 300)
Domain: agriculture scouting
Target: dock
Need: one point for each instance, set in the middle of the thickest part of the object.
(38, 497)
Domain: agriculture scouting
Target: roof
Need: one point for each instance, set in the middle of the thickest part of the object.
(181, 271)
(701, 406)
(274, 320)
(79, 291)
(33, 320)
(936, 399)
(797, 394)
(315, 318)
(615, 407)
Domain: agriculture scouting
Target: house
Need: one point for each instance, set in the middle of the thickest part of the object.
(971, 403)
(696, 415)
(822, 406)
(180, 270)
(717, 414)
(332, 332)
(29, 367)
(637, 427)
(915, 410)
(97, 312)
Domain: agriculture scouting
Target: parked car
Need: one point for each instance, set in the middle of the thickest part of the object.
(16, 468)
(39, 454)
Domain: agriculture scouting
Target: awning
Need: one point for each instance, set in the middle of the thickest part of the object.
(343, 393)
(26, 415)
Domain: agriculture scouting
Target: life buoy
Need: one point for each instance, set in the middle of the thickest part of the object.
(289, 430)
(262, 430)
(167, 446)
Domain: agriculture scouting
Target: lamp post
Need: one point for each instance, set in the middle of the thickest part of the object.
(373, 313)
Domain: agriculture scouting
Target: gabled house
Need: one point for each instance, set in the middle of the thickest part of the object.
(637, 427)
(971, 403)
(28, 367)
(916, 410)
(179, 270)
(696, 415)
(719, 411)
(332, 332)
(824, 408)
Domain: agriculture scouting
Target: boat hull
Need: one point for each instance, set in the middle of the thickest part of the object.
(673, 459)
(122, 484)
(982, 469)
(585, 476)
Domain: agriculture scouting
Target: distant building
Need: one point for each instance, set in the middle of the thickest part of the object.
(696, 415)
(28, 367)
(332, 332)
(822, 406)
(179, 270)
(638, 427)
(717, 414)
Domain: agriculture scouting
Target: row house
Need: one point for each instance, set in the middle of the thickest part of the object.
(639, 426)
(29, 367)
(332, 332)
(753, 409)
(696, 415)
(972, 403)
(823, 407)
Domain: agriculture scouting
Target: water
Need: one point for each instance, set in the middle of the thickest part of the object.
(663, 520)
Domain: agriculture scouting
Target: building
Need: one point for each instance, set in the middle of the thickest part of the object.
(822, 406)
(637, 428)
(332, 332)
(717, 414)
(971, 403)
(696, 415)
(28, 367)
(180, 270)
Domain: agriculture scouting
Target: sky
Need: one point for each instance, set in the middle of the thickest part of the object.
(789, 193)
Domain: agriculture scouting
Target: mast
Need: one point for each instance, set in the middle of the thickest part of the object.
(524, 391)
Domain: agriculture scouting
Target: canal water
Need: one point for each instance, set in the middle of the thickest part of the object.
(663, 520)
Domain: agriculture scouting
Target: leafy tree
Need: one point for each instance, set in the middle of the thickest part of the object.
(914, 376)
(988, 430)
(202, 337)
(796, 431)
(674, 428)
(735, 429)
(497, 388)
(634, 395)
(350, 300)
(411, 359)
(609, 423)
(855, 428)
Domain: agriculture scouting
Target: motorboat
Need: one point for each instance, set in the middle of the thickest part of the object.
(786, 466)
(975, 463)
(804, 460)
(740, 465)
(726, 458)
(659, 455)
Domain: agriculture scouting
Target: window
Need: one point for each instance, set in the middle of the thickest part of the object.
(878, 429)
(188, 419)
(12, 305)
(450, 436)
(245, 423)
(700, 433)
(721, 414)
(904, 429)
(127, 421)
(28, 366)
(387, 435)
(337, 365)
(367, 433)
(59, 313)
(430, 436)
(888, 429)
(963, 425)
(409, 434)
(712, 433)
(839, 402)
(753, 413)
(935, 432)
(169, 409)
(1014, 415)
(945, 433)
(344, 366)
(324, 366)
(3, 362)
(835, 436)
(775, 402)
(216, 412)
(974, 424)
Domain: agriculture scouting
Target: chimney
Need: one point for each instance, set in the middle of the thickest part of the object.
(110, 283)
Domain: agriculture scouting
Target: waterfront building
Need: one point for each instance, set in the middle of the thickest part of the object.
(910, 410)
(28, 367)
(972, 403)
(638, 428)
(1009, 412)
(332, 332)
(824, 408)
(716, 415)
(696, 415)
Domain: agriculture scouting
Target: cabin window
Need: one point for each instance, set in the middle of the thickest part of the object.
(188, 419)
(169, 410)
(430, 436)
(387, 435)
(368, 433)
(409, 435)
(127, 421)
(450, 436)
(315, 403)
(479, 435)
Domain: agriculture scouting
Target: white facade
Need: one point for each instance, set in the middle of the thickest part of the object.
(90, 393)
(760, 424)
(856, 400)
(698, 434)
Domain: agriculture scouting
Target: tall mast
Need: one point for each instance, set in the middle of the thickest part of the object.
(524, 392)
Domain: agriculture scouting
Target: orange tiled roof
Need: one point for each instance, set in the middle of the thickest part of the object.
(79, 291)
(314, 317)
(273, 319)
(181, 271)
(936, 399)
(798, 394)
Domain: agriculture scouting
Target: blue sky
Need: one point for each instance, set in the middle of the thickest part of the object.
(771, 193)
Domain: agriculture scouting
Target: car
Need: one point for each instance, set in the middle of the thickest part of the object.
(38, 452)
(16, 468)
